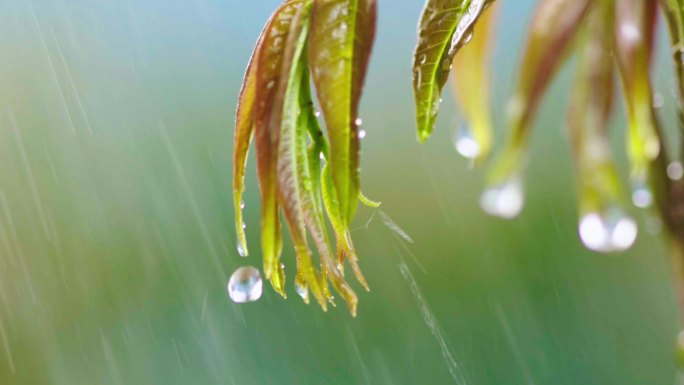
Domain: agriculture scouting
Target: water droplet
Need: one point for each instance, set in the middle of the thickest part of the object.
(244, 225)
(362, 134)
(465, 143)
(242, 204)
(358, 122)
(423, 59)
(240, 249)
(505, 200)
(317, 113)
(608, 231)
(446, 65)
(435, 102)
(675, 171)
(270, 84)
(302, 289)
(245, 285)
(468, 37)
(630, 32)
(642, 196)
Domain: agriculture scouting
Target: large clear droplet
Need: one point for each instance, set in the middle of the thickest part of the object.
(245, 285)
(466, 144)
(504, 200)
(608, 231)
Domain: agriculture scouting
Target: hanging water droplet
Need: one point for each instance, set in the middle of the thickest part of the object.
(465, 143)
(468, 37)
(244, 225)
(245, 285)
(358, 122)
(321, 156)
(504, 200)
(317, 113)
(242, 204)
(362, 134)
(642, 196)
(302, 289)
(608, 231)
(241, 251)
(675, 171)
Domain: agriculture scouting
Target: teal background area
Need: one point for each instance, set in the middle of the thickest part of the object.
(117, 239)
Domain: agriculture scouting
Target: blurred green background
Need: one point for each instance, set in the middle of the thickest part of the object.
(117, 240)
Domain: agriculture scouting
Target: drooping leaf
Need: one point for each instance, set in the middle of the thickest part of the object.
(244, 131)
(294, 181)
(635, 29)
(335, 269)
(444, 26)
(605, 225)
(342, 34)
(242, 139)
(471, 85)
(269, 78)
(553, 28)
(589, 114)
(316, 212)
(345, 247)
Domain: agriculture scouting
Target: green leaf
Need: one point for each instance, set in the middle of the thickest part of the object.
(270, 77)
(589, 115)
(294, 181)
(635, 29)
(342, 33)
(471, 84)
(332, 208)
(444, 27)
(244, 131)
(553, 28)
(315, 210)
